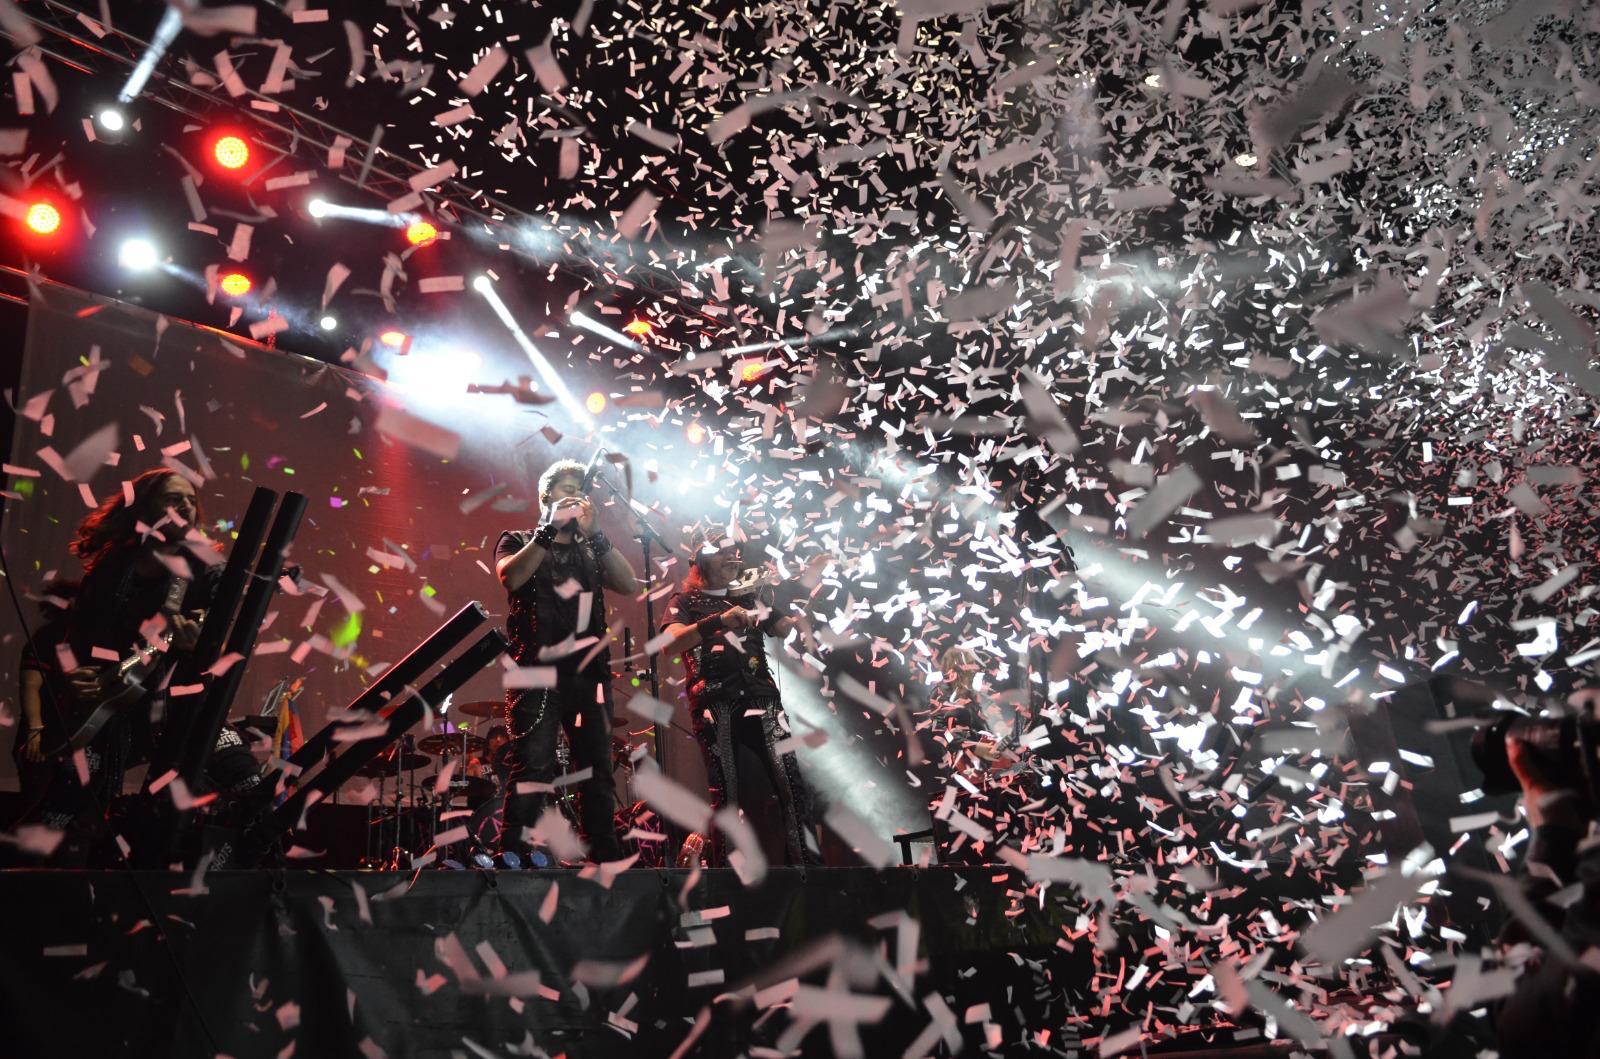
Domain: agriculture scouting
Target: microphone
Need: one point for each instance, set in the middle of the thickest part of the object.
(591, 472)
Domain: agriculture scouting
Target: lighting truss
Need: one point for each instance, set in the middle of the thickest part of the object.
(285, 133)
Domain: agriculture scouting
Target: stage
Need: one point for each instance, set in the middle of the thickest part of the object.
(273, 963)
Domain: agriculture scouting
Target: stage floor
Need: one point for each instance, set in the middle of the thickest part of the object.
(472, 963)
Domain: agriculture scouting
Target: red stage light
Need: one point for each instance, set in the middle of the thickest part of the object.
(231, 152)
(235, 284)
(640, 328)
(751, 370)
(421, 233)
(696, 433)
(43, 219)
(595, 403)
(392, 338)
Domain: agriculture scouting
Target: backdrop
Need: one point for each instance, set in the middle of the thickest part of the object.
(403, 515)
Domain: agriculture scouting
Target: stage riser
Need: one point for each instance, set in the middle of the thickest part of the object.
(257, 941)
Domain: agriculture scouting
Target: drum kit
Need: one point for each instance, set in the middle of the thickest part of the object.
(469, 784)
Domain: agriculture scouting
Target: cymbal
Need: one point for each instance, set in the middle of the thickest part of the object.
(384, 764)
(486, 708)
(450, 744)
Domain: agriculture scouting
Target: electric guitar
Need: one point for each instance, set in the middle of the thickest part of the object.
(132, 678)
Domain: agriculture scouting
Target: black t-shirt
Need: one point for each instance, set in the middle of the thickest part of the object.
(716, 668)
(544, 611)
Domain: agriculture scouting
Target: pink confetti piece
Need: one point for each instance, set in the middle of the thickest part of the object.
(486, 70)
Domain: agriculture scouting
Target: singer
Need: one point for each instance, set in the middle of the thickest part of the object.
(734, 706)
(555, 578)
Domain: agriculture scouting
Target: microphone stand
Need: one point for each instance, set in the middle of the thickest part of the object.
(646, 535)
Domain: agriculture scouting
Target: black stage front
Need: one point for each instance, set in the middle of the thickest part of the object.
(313, 963)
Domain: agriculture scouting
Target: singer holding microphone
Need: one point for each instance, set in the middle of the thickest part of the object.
(555, 579)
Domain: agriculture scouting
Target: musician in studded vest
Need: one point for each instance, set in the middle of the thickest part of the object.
(733, 699)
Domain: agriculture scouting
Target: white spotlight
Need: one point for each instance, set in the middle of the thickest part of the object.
(582, 320)
(166, 33)
(547, 372)
(1245, 159)
(111, 120)
(329, 323)
(138, 255)
(317, 208)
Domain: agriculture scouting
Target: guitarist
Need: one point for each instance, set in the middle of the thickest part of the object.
(137, 557)
(733, 699)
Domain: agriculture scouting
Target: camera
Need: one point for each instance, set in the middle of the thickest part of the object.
(1565, 746)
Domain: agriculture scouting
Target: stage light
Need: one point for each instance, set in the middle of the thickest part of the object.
(641, 328)
(230, 151)
(318, 208)
(166, 33)
(42, 218)
(695, 433)
(235, 284)
(434, 372)
(138, 255)
(329, 322)
(111, 120)
(392, 338)
(547, 372)
(1245, 158)
(610, 334)
(1153, 80)
(595, 403)
(421, 233)
(751, 370)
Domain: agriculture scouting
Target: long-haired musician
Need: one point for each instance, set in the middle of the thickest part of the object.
(734, 706)
(148, 575)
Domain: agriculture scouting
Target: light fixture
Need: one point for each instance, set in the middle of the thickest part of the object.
(1153, 80)
(42, 218)
(111, 120)
(393, 339)
(138, 255)
(421, 233)
(642, 328)
(695, 433)
(1245, 158)
(329, 322)
(482, 284)
(317, 208)
(595, 403)
(235, 284)
(230, 151)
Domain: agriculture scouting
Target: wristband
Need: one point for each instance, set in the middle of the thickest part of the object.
(600, 544)
(545, 535)
(707, 626)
